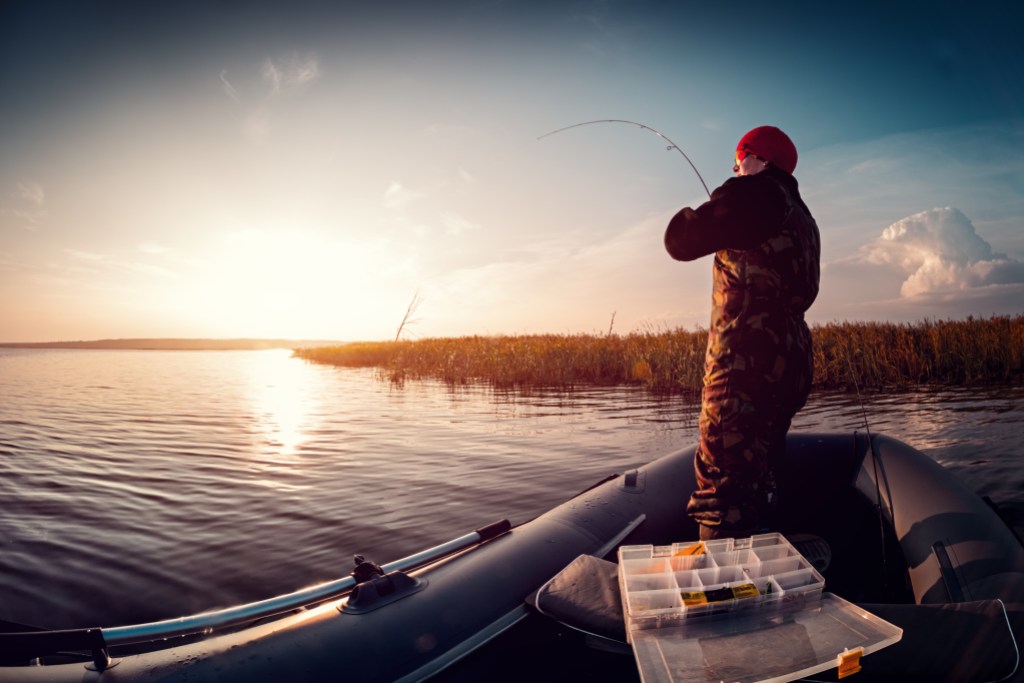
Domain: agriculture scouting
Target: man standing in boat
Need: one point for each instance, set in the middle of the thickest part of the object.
(758, 366)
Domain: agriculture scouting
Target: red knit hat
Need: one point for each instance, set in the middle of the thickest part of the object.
(772, 145)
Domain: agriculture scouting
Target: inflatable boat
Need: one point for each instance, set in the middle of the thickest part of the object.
(892, 531)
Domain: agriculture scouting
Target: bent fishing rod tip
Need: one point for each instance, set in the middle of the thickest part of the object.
(671, 145)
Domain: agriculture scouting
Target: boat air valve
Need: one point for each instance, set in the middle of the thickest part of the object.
(375, 589)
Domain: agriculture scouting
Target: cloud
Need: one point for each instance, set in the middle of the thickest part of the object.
(272, 75)
(31, 204)
(229, 89)
(148, 269)
(285, 76)
(257, 126)
(30, 219)
(397, 196)
(940, 252)
(85, 255)
(455, 225)
(97, 262)
(31, 192)
(573, 281)
(153, 248)
(8, 261)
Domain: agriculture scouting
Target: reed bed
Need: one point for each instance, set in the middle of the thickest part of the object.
(864, 356)
(941, 352)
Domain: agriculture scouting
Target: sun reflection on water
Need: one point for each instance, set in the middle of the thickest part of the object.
(283, 405)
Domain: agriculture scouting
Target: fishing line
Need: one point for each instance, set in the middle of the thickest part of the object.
(671, 144)
(876, 463)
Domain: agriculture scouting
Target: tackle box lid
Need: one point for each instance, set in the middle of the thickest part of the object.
(750, 609)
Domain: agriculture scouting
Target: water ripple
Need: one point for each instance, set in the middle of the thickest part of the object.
(145, 485)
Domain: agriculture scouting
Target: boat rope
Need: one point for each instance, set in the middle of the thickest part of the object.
(671, 145)
(1013, 639)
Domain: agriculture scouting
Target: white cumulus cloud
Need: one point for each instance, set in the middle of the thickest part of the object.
(939, 251)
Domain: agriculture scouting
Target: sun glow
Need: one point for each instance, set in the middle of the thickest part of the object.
(294, 284)
(283, 407)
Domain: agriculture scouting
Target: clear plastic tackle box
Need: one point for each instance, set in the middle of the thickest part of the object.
(751, 609)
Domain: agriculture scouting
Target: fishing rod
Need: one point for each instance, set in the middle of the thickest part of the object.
(671, 144)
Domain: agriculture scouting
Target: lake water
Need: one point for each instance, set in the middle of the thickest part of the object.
(143, 485)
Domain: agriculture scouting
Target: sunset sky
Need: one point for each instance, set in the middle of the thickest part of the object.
(304, 169)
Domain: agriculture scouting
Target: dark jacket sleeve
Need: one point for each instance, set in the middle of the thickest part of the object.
(741, 214)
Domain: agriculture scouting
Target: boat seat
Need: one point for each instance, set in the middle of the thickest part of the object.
(585, 596)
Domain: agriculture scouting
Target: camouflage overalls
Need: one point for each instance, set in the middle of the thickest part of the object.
(758, 367)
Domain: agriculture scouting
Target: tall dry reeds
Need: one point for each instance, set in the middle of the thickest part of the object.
(866, 355)
(944, 352)
(666, 361)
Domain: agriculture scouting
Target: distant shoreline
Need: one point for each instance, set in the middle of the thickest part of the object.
(170, 344)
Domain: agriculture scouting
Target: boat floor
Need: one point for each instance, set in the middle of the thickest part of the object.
(541, 650)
